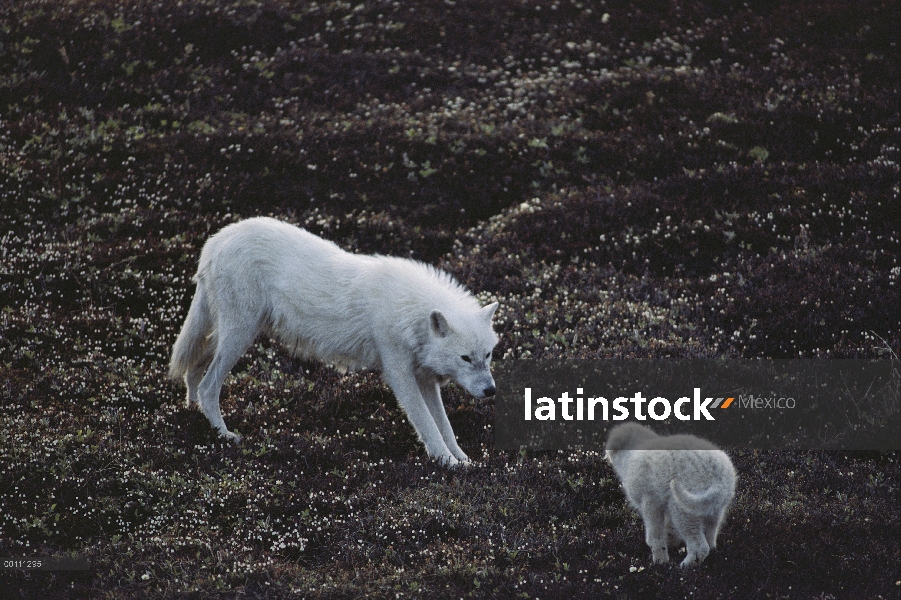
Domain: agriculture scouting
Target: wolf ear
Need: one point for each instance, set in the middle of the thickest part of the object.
(439, 324)
(488, 311)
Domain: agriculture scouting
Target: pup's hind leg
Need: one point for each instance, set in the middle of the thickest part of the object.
(692, 528)
(655, 529)
(712, 527)
(431, 393)
(231, 344)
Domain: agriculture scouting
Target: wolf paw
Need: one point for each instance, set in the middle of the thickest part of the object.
(693, 559)
(230, 436)
(461, 456)
(452, 462)
(660, 555)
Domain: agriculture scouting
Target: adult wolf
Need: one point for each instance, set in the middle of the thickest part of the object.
(412, 321)
(681, 484)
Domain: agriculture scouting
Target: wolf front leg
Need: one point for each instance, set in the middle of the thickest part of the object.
(431, 393)
(398, 374)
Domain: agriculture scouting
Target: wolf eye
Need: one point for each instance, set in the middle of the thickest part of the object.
(466, 358)
(488, 355)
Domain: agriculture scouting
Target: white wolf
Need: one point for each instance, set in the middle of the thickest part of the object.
(682, 486)
(414, 322)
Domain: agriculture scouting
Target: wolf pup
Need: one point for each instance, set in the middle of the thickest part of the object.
(413, 322)
(682, 486)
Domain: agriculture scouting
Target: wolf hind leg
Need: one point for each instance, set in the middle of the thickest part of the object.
(195, 375)
(712, 528)
(192, 351)
(692, 528)
(696, 550)
(231, 345)
(431, 393)
(655, 530)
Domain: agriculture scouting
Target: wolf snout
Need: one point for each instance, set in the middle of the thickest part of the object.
(489, 391)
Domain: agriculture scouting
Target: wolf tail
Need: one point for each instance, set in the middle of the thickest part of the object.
(191, 346)
(703, 503)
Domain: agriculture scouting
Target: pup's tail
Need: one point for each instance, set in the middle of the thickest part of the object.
(704, 503)
(191, 346)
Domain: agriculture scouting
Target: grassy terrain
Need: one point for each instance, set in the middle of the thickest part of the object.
(657, 179)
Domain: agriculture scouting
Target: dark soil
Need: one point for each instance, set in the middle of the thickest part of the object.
(651, 179)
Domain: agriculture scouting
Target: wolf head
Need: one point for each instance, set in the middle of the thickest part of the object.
(628, 436)
(460, 348)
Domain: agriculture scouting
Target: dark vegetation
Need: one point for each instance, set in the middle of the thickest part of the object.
(629, 180)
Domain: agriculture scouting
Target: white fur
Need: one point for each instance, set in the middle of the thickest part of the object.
(682, 486)
(412, 321)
